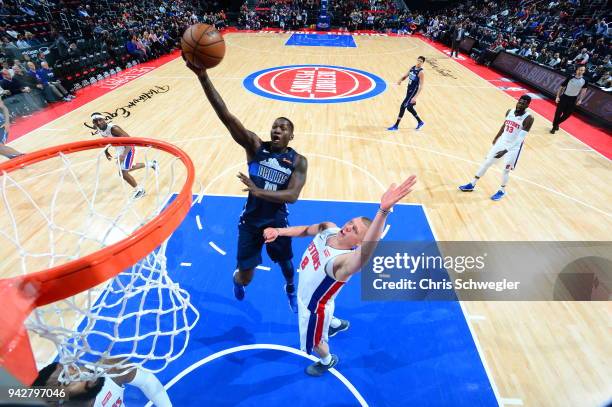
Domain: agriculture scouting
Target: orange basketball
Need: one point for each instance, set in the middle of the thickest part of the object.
(203, 45)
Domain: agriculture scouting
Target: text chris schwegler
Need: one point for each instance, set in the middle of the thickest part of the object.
(458, 264)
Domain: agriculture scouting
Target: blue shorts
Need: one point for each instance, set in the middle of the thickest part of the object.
(251, 241)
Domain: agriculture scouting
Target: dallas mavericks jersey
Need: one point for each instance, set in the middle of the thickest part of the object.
(270, 171)
(413, 79)
(316, 288)
(512, 126)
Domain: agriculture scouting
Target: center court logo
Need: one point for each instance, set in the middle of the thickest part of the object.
(314, 84)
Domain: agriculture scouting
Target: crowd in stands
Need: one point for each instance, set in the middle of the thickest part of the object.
(46, 54)
(544, 31)
(286, 15)
(550, 32)
(350, 15)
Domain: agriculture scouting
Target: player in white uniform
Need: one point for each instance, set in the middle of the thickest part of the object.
(334, 255)
(125, 155)
(104, 391)
(508, 144)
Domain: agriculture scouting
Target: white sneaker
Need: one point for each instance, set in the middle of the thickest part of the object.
(139, 192)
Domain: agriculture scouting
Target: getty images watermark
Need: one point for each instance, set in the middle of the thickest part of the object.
(477, 271)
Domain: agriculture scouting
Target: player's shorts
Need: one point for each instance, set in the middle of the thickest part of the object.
(409, 95)
(251, 241)
(314, 326)
(128, 159)
(510, 158)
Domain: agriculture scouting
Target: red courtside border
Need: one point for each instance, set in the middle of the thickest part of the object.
(25, 125)
(596, 138)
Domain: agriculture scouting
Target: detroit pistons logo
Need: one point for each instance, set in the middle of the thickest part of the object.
(314, 84)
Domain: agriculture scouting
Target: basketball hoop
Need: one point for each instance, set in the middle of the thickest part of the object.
(107, 270)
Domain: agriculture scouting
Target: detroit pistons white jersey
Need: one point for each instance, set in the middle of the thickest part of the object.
(317, 290)
(111, 394)
(510, 138)
(317, 287)
(107, 133)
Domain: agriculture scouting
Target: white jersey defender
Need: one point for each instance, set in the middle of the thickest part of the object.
(111, 394)
(317, 290)
(512, 138)
(128, 158)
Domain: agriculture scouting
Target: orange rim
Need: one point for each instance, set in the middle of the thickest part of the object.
(48, 286)
(69, 279)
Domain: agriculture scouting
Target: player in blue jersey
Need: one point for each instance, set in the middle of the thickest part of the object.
(5, 122)
(277, 174)
(416, 82)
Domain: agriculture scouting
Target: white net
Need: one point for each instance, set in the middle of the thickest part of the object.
(69, 206)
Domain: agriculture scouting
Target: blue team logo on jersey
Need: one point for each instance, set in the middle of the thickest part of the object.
(314, 84)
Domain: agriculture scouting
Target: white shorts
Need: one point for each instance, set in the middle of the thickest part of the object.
(128, 157)
(314, 326)
(510, 158)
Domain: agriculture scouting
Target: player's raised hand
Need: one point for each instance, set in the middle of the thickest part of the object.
(396, 193)
(250, 185)
(193, 68)
(107, 154)
(270, 234)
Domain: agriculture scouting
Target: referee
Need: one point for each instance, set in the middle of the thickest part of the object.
(570, 94)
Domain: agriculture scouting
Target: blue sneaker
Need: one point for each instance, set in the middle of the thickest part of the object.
(292, 296)
(421, 124)
(393, 128)
(498, 195)
(238, 288)
(344, 325)
(469, 187)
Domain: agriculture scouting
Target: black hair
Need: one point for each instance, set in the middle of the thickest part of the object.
(44, 374)
(526, 97)
(421, 57)
(91, 391)
(288, 121)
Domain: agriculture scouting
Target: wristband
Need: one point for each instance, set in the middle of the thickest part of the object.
(384, 212)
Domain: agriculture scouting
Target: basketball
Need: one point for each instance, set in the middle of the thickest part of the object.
(203, 46)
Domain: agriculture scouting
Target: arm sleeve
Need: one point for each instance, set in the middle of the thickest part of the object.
(152, 388)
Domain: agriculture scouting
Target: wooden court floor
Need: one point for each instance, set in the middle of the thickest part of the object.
(537, 353)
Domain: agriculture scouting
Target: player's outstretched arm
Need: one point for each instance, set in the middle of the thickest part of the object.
(501, 129)
(528, 123)
(289, 195)
(270, 234)
(348, 264)
(119, 132)
(246, 138)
